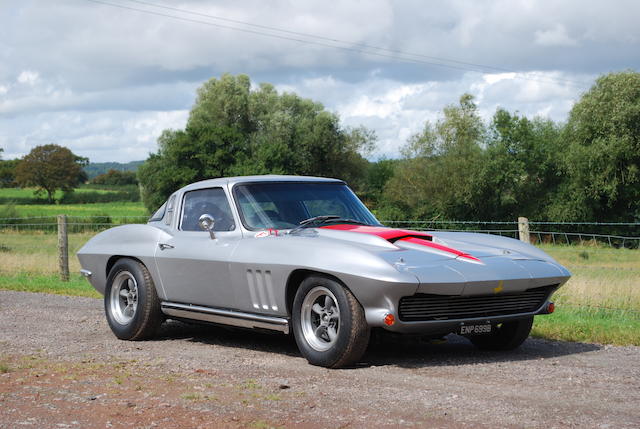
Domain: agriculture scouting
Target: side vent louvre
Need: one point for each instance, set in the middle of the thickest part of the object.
(261, 290)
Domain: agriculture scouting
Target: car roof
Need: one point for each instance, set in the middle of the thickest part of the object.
(253, 179)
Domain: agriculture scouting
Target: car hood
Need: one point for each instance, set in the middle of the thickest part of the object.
(438, 245)
(458, 263)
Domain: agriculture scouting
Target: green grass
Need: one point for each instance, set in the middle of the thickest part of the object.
(115, 209)
(590, 325)
(27, 193)
(87, 200)
(76, 286)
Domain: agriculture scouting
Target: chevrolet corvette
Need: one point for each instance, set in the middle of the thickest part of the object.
(304, 256)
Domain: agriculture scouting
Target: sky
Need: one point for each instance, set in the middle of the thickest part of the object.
(105, 78)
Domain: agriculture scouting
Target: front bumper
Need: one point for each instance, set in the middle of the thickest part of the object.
(443, 316)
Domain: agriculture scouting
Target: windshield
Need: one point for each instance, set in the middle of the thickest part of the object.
(285, 205)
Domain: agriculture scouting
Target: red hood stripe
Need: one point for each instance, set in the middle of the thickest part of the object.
(392, 234)
(439, 247)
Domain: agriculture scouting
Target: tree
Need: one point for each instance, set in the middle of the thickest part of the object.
(519, 173)
(236, 130)
(436, 177)
(49, 168)
(8, 173)
(602, 156)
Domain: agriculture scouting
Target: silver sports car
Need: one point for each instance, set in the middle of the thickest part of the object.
(304, 255)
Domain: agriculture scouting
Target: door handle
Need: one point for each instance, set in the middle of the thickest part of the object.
(164, 246)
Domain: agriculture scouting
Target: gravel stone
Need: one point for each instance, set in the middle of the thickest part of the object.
(197, 375)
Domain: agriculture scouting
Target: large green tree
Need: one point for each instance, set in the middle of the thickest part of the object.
(50, 168)
(602, 155)
(7, 171)
(436, 176)
(519, 172)
(236, 130)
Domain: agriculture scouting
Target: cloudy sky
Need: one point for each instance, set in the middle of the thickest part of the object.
(104, 78)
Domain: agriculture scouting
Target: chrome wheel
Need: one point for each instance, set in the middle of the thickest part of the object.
(124, 297)
(320, 318)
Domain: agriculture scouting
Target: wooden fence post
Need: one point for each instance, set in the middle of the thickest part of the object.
(523, 229)
(63, 248)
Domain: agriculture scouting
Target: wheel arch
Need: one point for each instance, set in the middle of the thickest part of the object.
(115, 258)
(148, 265)
(296, 278)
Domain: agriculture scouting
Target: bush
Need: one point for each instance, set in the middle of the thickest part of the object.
(129, 193)
(115, 177)
(8, 211)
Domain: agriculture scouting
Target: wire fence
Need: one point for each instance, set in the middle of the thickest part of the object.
(612, 234)
(75, 224)
(569, 233)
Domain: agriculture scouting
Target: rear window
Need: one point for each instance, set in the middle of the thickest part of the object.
(159, 214)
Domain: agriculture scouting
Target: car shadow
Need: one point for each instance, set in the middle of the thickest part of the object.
(250, 339)
(454, 350)
(385, 349)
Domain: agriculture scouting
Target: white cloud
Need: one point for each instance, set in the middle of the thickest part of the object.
(101, 136)
(106, 80)
(28, 77)
(556, 36)
(396, 110)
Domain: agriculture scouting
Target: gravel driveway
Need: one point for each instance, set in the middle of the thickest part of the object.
(62, 367)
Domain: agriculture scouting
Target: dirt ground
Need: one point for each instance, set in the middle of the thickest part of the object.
(61, 367)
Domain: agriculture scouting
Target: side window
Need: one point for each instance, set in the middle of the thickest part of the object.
(170, 208)
(207, 201)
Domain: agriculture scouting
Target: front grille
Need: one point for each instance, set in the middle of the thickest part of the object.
(424, 307)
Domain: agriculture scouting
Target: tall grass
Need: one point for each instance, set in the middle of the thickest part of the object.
(601, 276)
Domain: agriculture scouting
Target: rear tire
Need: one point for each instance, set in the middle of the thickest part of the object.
(131, 303)
(506, 336)
(329, 325)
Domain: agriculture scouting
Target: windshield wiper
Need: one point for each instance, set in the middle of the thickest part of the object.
(317, 219)
(323, 219)
(343, 220)
(312, 220)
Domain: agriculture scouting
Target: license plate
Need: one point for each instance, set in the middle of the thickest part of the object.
(484, 328)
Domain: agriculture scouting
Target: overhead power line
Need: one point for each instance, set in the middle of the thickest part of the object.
(319, 40)
(443, 61)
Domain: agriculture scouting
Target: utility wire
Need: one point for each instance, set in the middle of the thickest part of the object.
(365, 49)
(476, 66)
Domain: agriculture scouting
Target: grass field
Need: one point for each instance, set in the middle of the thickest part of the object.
(115, 209)
(27, 193)
(15, 202)
(601, 302)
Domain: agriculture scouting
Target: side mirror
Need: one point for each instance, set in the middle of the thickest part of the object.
(206, 222)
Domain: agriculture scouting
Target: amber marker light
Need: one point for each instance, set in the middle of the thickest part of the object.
(551, 307)
(389, 319)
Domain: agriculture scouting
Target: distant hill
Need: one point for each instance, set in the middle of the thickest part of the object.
(97, 168)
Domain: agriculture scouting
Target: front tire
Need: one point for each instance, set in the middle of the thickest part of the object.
(329, 323)
(131, 303)
(506, 336)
